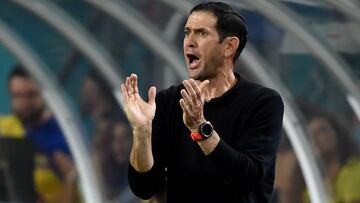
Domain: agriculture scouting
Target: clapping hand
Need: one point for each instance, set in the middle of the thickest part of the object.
(139, 112)
(192, 104)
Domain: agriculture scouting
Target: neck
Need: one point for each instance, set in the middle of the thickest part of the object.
(218, 85)
(331, 157)
(333, 169)
(46, 115)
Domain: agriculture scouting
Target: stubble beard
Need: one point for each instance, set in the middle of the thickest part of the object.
(209, 71)
(33, 117)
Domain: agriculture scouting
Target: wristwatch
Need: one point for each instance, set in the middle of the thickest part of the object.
(205, 131)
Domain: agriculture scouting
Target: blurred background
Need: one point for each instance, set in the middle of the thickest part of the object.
(67, 105)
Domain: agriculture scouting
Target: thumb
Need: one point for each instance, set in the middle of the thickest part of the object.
(152, 95)
(203, 84)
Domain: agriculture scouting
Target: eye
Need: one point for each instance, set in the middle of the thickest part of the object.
(201, 33)
(186, 32)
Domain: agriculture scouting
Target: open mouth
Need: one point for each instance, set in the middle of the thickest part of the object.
(193, 60)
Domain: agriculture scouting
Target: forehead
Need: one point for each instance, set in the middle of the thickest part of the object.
(319, 123)
(201, 19)
(23, 83)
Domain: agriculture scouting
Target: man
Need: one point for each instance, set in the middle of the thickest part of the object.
(213, 138)
(55, 172)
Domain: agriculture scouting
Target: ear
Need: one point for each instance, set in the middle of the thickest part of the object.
(231, 46)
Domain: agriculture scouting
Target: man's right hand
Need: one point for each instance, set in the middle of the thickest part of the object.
(139, 112)
(140, 115)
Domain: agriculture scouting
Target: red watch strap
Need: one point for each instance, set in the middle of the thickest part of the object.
(196, 136)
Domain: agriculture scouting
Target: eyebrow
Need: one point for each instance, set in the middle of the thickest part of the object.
(197, 29)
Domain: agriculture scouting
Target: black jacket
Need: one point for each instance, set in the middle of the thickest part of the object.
(248, 119)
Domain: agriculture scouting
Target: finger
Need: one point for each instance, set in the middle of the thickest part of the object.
(186, 97)
(128, 86)
(152, 95)
(125, 94)
(127, 81)
(190, 90)
(196, 89)
(134, 83)
(193, 106)
(203, 84)
(184, 107)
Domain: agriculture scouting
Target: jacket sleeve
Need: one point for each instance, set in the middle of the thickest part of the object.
(147, 184)
(256, 146)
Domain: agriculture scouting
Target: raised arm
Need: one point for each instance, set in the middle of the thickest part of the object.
(140, 114)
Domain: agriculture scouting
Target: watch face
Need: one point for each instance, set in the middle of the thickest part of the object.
(207, 129)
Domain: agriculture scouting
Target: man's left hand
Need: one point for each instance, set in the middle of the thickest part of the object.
(192, 104)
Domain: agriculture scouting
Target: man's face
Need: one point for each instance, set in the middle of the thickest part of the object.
(204, 55)
(324, 136)
(27, 102)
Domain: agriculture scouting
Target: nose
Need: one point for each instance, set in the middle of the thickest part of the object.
(189, 41)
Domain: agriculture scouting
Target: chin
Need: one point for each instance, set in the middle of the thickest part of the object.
(193, 77)
(191, 74)
(196, 77)
(199, 77)
(195, 74)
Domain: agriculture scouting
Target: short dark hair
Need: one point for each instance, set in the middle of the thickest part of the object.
(229, 22)
(18, 71)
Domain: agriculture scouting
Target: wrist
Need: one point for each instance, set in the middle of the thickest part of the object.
(213, 139)
(142, 135)
(209, 145)
(204, 131)
(140, 129)
(196, 128)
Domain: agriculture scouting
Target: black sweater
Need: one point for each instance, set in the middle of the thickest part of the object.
(248, 119)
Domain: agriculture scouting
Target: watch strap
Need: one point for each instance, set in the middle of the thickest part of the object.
(196, 136)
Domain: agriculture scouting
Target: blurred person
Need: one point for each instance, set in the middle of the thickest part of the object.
(55, 175)
(286, 166)
(338, 155)
(112, 149)
(214, 138)
(96, 98)
(110, 138)
(97, 102)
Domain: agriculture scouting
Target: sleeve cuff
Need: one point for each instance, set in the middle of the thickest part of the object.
(223, 153)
